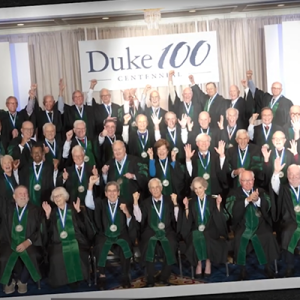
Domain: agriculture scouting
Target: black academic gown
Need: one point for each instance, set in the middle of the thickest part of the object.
(14, 150)
(215, 233)
(8, 127)
(56, 155)
(35, 251)
(101, 114)
(235, 205)
(147, 232)
(46, 178)
(259, 137)
(83, 235)
(102, 224)
(71, 115)
(5, 187)
(230, 140)
(128, 187)
(281, 115)
(149, 112)
(121, 114)
(289, 133)
(106, 148)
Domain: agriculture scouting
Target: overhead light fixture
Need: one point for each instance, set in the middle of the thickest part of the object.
(280, 5)
(20, 24)
(192, 11)
(105, 18)
(152, 17)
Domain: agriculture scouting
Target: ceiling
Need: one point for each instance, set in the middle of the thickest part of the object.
(33, 14)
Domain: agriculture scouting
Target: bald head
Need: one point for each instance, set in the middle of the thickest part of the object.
(204, 119)
(234, 92)
(187, 95)
(276, 89)
(293, 175)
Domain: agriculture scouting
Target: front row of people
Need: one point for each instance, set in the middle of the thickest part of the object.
(66, 231)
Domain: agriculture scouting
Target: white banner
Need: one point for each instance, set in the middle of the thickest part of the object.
(134, 62)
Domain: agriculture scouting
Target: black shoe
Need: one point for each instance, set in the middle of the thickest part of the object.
(74, 286)
(243, 274)
(206, 275)
(289, 273)
(163, 281)
(101, 285)
(269, 273)
(198, 276)
(126, 282)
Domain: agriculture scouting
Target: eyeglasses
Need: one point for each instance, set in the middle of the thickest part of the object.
(247, 180)
(57, 196)
(278, 139)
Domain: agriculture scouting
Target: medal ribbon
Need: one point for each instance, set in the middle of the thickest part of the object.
(164, 168)
(49, 119)
(53, 150)
(85, 143)
(296, 193)
(159, 213)
(266, 134)
(122, 165)
(113, 213)
(202, 208)
(282, 155)
(249, 195)
(13, 120)
(207, 131)
(80, 113)
(272, 105)
(187, 109)
(63, 218)
(20, 216)
(171, 136)
(210, 102)
(110, 139)
(8, 182)
(230, 132)
(242, 159)
(37, 175)
(208, 160)
(108, 110)
(156, 111)
(81, 173)
(146, 139)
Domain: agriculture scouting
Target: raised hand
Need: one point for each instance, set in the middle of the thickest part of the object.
(173, 155)
(61, 86)
(65, 175)
(174, 198)
(188, 152)
(55, 163)
(16, 164)
(15, 133)
(221, 122)
(253, 119)
(221, 149)
(147, 89)
(183, 121)
(77, 205)
(249, 74)
(293, 148)
(266, 154)
(92, 180)
(186, 202)
(136, 197)
(190, 124)
(156, 121)
(218, 202)
(278, 167)
(69, 135)
(192, 79)
(127, 118)
(254, 195)
(129, 175)
(171, 74)
(104, 133)
(95, 171)
(93, 83)
(150, 153)
(105, 169)
(47, 209)
(46, 149)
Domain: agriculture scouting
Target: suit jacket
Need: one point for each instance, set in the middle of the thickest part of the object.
(259, 138)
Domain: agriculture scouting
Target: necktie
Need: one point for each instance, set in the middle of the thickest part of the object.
(37, 168)
(157, 204)
(272, 101)
(50, 114)
(231, 105)
(172, 133)
(131, 111)
(108, 109)
(242, 153)
(203, 155)
(279, 152)
(82, 141)
(112, 205)
(79, 170)
(13, 116)
(80, 109)
(267, 128)
(296, 189)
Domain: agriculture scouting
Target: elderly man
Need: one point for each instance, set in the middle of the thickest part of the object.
(12, 121)
(287, 156)
(292, 128)
(75, 178)
(244, 156)
(279, 104)
(106, 138)
(212, 102)
(52, 146)
(250, 211)
(154, 109)
(21, 245)
(128, 170)
(141, 140)
(105, 110)
(20, 146)
(244, 107)
(262, 134)
(286, 197)
(190, 104)
(39, 176)
(78, 111)
(90, 146)
(207, 164)
(158, 216)
(116, 229)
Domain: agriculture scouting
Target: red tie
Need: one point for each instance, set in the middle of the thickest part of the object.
(267, 128)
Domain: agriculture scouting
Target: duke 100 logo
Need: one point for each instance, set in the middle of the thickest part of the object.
(146, 60)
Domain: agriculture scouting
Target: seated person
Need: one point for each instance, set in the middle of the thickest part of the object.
(158, 218)
(204, 229)
(115, 229)
(20, 242)
(250, 210)
(69, 234)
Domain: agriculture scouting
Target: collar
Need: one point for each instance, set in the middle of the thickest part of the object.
(35, 164)
(81, 166)
(263, 124)
(203, 153)
(49, 111)
(110, 202)
(50, 141)
(171, 130)
(120, 162)
(234, 101)
(159, 199)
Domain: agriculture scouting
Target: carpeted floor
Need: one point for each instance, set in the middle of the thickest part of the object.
(113, 273)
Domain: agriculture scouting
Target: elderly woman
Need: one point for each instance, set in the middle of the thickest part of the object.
(69, 235)
(9, 179)
(204, 229)
(168, 170)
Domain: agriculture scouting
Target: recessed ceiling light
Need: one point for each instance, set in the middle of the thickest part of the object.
(280, 5)
(192, 11)
(105, 18)
(20, 24)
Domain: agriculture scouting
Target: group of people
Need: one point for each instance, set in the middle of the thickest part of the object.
(81, 180)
